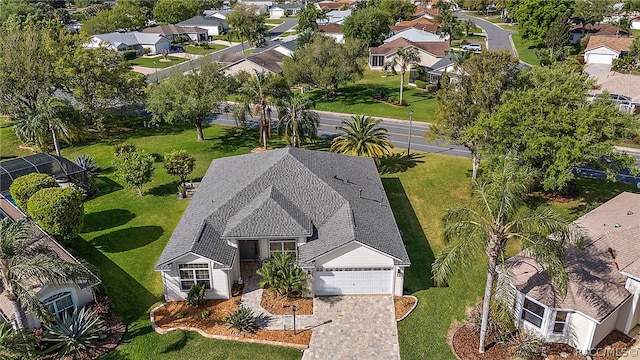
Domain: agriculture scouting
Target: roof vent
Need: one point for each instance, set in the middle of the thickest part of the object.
(629, 212)
(360, 193)
(617, 225)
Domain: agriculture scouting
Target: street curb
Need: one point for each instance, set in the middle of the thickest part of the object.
(627, 149)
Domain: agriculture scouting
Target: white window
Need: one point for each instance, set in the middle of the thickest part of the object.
(59, 303)
(282, 246)
(191, 274)
(532, 313)
(560, 324)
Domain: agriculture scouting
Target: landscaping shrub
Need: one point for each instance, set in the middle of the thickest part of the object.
(88, 163)
(134, 168)
(393, 99)
(242, 319)
(130, 54)
(636, 139)
(179, 163)
(204, 45)
(431, 88)
(25, 186)
(420, 84)
(499, 328)
(15, 344)
(527, 345)
(195, 297)
(59, 211)
(281, 274)
(123, 148)
(205, 314)
(73, 334)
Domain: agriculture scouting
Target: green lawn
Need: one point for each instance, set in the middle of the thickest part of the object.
(288, 33)
(9, 144)
(156, 62)
(199, 50)
(273, 21)
(525, 49)
(358, 98)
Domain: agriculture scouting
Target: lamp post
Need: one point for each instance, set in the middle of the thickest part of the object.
(294, 308)
(410, 123)
(155, 69)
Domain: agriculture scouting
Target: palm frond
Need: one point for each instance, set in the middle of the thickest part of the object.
(454, 255)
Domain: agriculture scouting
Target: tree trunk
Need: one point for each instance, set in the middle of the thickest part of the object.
(475, 161)
(199, 129)
(21, 321)
(401, 85)
(139, 188)
(486, 303)
(56, 145)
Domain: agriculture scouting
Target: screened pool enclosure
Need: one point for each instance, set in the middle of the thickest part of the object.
(61, 169)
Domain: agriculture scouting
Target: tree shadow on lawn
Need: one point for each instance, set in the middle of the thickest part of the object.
(107, 219)
(127, 239)
(177, 345)
(236, 140)
(399, 162)
(418, 275)
(165, 189)
(354, 94)
(106, 185)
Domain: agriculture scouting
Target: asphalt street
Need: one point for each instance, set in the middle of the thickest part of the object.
(497, 37)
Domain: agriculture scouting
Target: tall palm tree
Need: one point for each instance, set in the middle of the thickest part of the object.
(23, 262)
(497, 216)
(296, 121)
(405, 58)
(362, 137)
(262, 91)
(56, 118)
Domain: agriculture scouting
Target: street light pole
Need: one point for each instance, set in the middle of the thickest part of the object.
(155, 70)
(410, 123)
(294, 308)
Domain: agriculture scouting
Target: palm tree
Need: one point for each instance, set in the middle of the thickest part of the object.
(262, 90)
(497, 217)
(56, 118)
(297, 122)
(23, 262)
(405, 58)
(362, 137)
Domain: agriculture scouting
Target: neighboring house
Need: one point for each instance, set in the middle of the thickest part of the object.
(330, 210)
(172, 32)
(623, 88)
(430, 52)
(59, 299)
(135, 40)
(335, 17)
(416, 35)
(420, 23)
(605, 49)
(332, 30)
(603, 293)
(269, 60)
(635, 23)
(332, 5)
(213, 25)
(279, 10)
(578, 31)
(220, 14)
(433, 73)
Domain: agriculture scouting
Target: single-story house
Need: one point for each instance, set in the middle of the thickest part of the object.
(335, 17)
(623, 88)
(269, 60)
(330, 210)
(220, 14)
(428, 12)
(635, 23)
(603, 292)
(213, 25)
(332, 30)
(58, 298)
(605, 49)
(420, 23)
(416, 35)
(332, 5)
(578, 31)
(430, 52)
(433, 73)
(134, 40)
(279, 10)
(171, 32)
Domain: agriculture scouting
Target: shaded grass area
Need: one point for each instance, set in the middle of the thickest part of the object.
(526, 50)
(357, 98)
(155, 62)
(199, 50)
(9, 143)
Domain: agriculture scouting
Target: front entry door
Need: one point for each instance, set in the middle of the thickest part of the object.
(249, 250)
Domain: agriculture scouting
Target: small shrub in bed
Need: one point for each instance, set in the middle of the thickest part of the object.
(195, 297)
(242, 320)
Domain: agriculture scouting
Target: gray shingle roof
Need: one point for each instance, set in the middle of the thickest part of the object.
(341, 195)
(201, 20)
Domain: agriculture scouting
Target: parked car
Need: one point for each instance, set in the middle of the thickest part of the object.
(472, 47)
(177, 49)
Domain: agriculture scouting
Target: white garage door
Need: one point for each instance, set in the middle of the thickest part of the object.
(600, 59)
(353, 281)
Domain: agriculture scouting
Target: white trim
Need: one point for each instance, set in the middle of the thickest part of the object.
(544, 312)
(177, 258)
(357, 242)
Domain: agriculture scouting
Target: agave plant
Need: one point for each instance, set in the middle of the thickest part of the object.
(88, 163)
(74, 334)
(242, 320)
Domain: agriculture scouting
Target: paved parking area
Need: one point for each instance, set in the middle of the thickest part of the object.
(354, 328)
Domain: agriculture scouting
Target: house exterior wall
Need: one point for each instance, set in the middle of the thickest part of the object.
(244, 65)
(339, 38)
(354, 255)
(219, 280)
(80, 298)
(605, 327)
(635, 24)
(579, 331)
(276, 13)
(399, 282)
(600, 55)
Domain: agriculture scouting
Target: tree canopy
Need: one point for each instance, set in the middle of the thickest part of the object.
(398, 9)
(174, 11)
(134, 168)
(548, 122)
(370, 26)
(536, 16)
(127, 15)
(59, 211)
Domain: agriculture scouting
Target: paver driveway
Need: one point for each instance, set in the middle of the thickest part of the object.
(361, 327)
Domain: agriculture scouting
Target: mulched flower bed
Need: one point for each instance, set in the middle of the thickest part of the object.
(465, 345)
(179, 314)
(281, 305)
(403, 305)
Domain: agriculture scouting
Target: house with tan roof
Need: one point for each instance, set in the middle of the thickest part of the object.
(269, 60)
(172, 32)
(603, 292)
(420, 23)
(430, 52)
(605, 49)
(332, 30)
(580, 31)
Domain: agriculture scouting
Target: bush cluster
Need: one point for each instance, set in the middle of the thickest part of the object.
(25, 186)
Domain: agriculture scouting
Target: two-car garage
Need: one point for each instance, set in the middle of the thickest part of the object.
(346, 281)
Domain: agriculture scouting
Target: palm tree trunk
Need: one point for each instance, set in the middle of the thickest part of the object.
(56, 145)
(486, 304)
(401, 85)
(21, 320)
(475, 165)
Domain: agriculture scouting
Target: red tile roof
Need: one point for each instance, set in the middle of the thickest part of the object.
(330, 29)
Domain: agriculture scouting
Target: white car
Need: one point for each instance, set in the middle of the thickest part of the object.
(472, 47)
